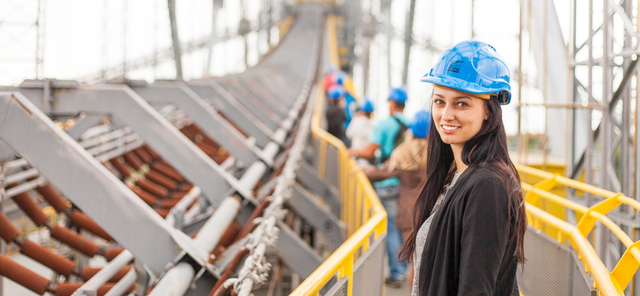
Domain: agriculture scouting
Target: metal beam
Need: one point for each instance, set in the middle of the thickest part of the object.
(234, 112)
(167, 140)
(214, 125)
(295, 252)
(229, 91)
(82, 124)
(318, 215)
(308, 177)
(617, 95)
(177, 51)
(90, 186)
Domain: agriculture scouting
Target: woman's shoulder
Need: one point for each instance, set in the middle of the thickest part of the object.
(483, 178)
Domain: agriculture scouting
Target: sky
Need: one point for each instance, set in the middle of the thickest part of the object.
(83, 36)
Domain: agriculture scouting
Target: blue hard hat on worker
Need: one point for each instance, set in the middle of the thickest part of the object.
(336, 92)
(366, 105)
(473, 67)
(420, 124)
(341, 77)
(398, 94)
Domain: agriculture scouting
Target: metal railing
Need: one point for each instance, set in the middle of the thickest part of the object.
(608, 283)
(361, 209)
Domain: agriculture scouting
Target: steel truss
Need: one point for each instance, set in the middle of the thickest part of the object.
(108, 121)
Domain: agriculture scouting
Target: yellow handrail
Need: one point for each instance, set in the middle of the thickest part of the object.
(361, 209)
(627, 265)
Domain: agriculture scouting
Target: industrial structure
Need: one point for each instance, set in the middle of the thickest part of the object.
(116, 184)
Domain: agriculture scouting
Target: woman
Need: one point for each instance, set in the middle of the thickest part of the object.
(469, 219)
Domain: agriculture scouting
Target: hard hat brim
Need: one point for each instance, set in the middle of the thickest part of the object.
(468, 87)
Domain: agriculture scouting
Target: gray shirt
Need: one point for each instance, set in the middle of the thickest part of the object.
(421, 237)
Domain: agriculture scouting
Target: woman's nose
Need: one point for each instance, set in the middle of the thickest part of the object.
(448, 113)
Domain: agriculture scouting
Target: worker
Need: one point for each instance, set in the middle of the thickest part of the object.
(361, 128)
(334, 113)
(351, 104)
(386, 136)
(469, 218)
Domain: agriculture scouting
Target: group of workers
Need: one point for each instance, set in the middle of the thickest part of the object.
(454, 204)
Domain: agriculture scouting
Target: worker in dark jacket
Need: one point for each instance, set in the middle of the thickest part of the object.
(335, 113)
(469, 219)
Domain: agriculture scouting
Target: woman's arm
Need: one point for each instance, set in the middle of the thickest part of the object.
(485, 234)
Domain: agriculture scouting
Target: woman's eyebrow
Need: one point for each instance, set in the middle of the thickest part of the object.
(462, 97)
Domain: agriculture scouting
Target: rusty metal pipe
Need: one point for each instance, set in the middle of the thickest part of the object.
(121, 166)
(47, 258)
(83, 221)
(53, 197)
(218, 289)
(162, 180)
(75, 240)
(108, 272)
(143, 155)
(89, 272)
(7, 231)
(167, 171)
(31, 208)
(23, 276)
(133, 160)
(67, 289)
(153, 188)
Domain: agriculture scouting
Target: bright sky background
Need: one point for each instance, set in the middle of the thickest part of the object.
(83, 36)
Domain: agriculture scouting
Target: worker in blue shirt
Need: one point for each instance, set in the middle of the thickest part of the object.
(388, 134)
(351, 105)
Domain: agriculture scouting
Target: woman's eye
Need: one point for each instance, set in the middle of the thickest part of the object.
(462, 104)
(438, 102)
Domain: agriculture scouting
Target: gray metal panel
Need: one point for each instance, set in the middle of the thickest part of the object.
(332, 169)
(582, 282)
(90, 186)
(219, 129)
(258, 91)
(295, 252)
(233, 110)
(318, 215)
(82, 124)
(368, 274)
(548, 268)
(308, 177)
(183, 154)
(340, 288)
(258, 109)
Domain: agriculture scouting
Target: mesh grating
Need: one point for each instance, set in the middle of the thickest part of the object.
(369, 270)
(340, 288)
(332, 169)
(548, 267)
(582, 283)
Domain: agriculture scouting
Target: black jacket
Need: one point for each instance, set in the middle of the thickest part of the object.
(468, 249)
(335, 120)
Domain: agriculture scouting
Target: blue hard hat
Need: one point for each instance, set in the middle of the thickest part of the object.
(473, 67)
(336, 92)
(341, 77)
(366, 105)
(420, 124)
(398, 94)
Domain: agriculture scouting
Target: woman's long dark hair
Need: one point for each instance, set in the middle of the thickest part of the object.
(487, 148)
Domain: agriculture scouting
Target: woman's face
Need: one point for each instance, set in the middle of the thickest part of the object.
(458, 116)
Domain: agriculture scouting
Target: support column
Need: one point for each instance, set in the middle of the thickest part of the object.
(177, 51)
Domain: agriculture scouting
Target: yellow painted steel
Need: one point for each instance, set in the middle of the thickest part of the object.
(361, 209)
(627, 266)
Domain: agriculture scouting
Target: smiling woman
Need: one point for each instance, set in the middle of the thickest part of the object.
(469, 220)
